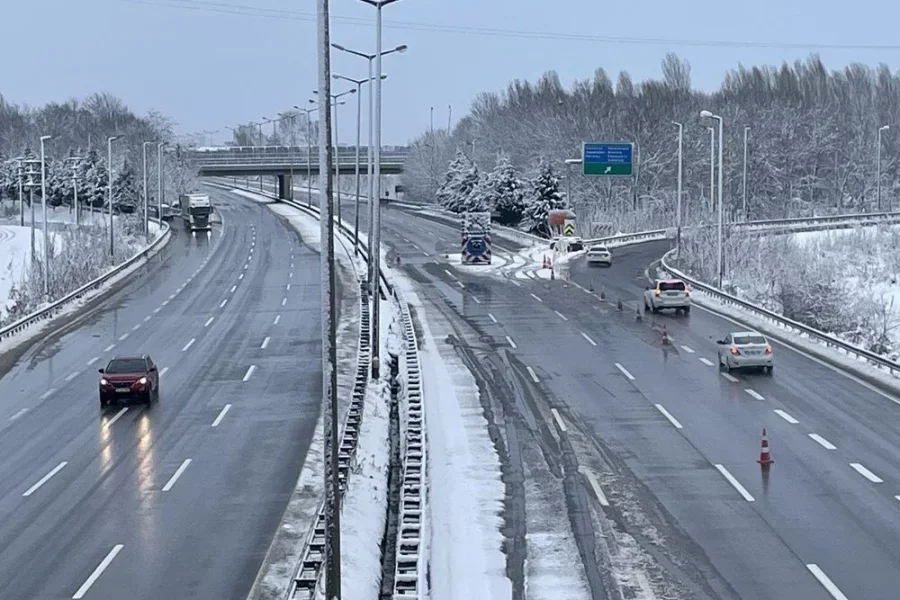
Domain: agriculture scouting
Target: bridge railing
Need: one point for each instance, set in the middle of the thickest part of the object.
(288, 158)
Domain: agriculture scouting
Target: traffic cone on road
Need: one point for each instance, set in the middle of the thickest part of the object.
(552, 274)
(638, 316)
(602, 295)
(546, 263)
(591, 287)
(666, 340)
(765, 459)
(619, 304)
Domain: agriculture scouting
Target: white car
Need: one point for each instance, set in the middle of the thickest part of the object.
(599, 255)
(746, 349)
(668, 293)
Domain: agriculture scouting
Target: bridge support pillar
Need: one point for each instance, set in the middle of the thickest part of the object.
(285, 187)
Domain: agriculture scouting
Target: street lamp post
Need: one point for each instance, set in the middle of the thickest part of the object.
(75, 162)
(21, 173)
(109, 192)
(678, 192)
(569, 163)
(159, 181)
(359, 83)
(707, 114)
(712, 169)
(308, 112)
(292, 118)
(744, 178)
(336, 98)
(146, 197)
(878, 160)
(46, 244)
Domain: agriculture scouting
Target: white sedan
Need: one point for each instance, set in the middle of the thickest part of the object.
(599, 255)
(746, 349)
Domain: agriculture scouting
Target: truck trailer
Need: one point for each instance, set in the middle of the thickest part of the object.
(195, 211)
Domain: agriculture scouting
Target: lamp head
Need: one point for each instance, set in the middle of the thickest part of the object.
(402, 48)
(705, 113)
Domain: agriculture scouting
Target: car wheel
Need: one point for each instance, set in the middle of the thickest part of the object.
(687, 310)
(769, 370)
(654, 309)
(725, 366)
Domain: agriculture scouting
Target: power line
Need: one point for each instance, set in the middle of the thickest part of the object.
(252, 11)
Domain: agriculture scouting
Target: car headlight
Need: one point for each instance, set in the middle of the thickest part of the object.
(104, 382)
(142, 381)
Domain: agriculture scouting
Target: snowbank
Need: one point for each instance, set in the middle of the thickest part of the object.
(15, 252)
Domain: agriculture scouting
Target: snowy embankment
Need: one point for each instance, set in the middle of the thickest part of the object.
(15, 254)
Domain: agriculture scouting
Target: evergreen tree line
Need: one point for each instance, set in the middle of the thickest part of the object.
(77, 153)
(811, 149)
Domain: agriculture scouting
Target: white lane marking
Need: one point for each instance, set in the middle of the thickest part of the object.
(475, 298)
(560, 315)
(45, 479)
(18, 414)
(265, 343)
(735, 483)
(449, 274)
(209, 321)
(425, 253)
(241, 276)
(97, 572)
(822, 441)
(515, 283)
(283, 301)
(249, 372)
(588, 338)
(706, 361)
(595, 485)
(164, 371)
(511, 342)
(136, 327)
(48, 393)
(729, 377)
(72, 376)
(147, 318)
(291, 275)
(277, 318)
(754, 394)
(177, 474)
(234, 287)
(288, 287)
(118, 416)
(866, 473)
(246, 265)
(559, 422)
(786, 416)
(625, 372)
(687, 349)
(157, 309)
(189, 344)
(165, 303)
(221, 416)
(461, 284)
(534, 376)
(668, 415)
(826, 582)
(292, 265)
(93, 360)
(493, 318)
(897, 498)
(172, 296)
(536, 297)
(224, 302)
(123, 337)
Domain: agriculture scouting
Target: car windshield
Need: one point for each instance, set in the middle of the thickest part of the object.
(126, 365)
(671, 286)
(743, 340)
(599, 249)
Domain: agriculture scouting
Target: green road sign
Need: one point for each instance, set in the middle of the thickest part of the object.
(613, 159)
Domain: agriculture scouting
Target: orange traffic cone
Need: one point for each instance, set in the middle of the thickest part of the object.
(546, 262)
(765, 459)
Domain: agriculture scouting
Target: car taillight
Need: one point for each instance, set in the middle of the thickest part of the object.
(735, 351)
(687, 292)
(657, 293)
(768, 349)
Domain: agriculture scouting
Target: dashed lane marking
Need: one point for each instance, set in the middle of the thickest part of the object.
(595, 485)
(123, 337)
(209, 321)
(511, 342)
(687, 349)
(178, 473)
(249, 373)
(18, 414)
(45, 479)
(560, 315)
(534, 376)
(706, 362)
(265, 343)
(735, 483)
(97, 572)
(475, 298)
(786, 416)
(277, 318)
(93, 360)
(730, 377)
(536, 297)
(559, 422)
(224, 302)
(754, 394)
(221, 416)
(668, 415)
(493, 318)
(822, 441)
(189, 344)
(866, 473)
(588, 338)
(72, 376)
(625, 372)
(117, 416)
(826, 582)
(48, 393)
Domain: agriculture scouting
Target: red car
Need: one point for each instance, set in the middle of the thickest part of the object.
(128, 378)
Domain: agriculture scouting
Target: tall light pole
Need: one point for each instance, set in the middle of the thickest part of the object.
(146, 197)
(75, 160)
(678, 192)
(109, 192)
(712, 169)
(337, 149)
(292, 118)
(20, 171)
(44, 138)
(569, 163)
(370, 170)
(308, 112)
(159, 181)
(329, 345)
(744, 178)
(878, 160)
(707, 114)
(359, 83)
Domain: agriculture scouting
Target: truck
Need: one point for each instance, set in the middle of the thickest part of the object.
(195, 211)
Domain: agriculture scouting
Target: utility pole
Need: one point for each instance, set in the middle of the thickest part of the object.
(20, 171)
(44, 138)
(329, 342)
(109, 194)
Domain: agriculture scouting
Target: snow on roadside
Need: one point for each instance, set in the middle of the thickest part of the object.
(15, 250)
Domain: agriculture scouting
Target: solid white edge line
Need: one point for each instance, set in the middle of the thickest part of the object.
(97, 572)
(559, 422)
(687, 349)
(866, 473)
(48, 393)
(45, 479)
(754, 394)
(249, 373)
(116, 417)
(221, 416)
(706, 362)
(588, 338)
(534, 376)
(729, 377)
(668, 415)
(595, 485)
(826, 582)
(536, 297)
(560, 315)
(625, 372)
(189, 344)
(786, 416)
(177, 474)
(224, 302)
(265, 343)
(511, 342)
(822, 441)
(493, 318)
(209, 321)
(735, 483)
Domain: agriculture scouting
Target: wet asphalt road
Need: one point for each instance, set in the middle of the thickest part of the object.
(667, 426)
(227, 333)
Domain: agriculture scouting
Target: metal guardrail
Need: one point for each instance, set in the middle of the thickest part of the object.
(781, 321)
(409, 580)
(54, 308)
(213, 159)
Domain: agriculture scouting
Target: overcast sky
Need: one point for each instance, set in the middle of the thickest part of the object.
(211, 63)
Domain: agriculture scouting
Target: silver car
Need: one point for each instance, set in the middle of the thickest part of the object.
(746, 349)
(599, 255)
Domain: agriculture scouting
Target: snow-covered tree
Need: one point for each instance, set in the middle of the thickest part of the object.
(94, 181)
(446, 194)
(501, 190)
(544, 196)
(125, 191)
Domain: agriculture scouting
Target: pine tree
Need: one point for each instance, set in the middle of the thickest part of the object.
(94, 181)
(125, 192)
(464, 188)
(502, 191)
(544, 197)
(446, 194)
